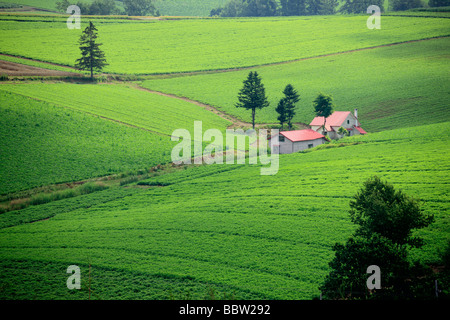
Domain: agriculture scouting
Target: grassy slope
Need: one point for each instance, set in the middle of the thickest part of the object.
(392, 87)
(257, 236)
(204, 44)
(121, 103)
(42, 144)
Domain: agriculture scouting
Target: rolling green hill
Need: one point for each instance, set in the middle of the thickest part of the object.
(136, 47)
(395, 86)
(234, 231)
(43, 144)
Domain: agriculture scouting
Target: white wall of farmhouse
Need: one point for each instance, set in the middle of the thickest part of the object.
(287, 146)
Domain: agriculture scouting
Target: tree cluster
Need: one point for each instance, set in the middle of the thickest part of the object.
(109, 7)
(439, 3)
(264, 8)
(252, 97)
(400, 5)
(97, 7)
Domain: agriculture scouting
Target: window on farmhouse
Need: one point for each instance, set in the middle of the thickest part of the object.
(281, 138)
(310, 146)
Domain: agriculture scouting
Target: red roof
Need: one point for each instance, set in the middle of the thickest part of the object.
(361, 130)
(335, 120)
(302, 135)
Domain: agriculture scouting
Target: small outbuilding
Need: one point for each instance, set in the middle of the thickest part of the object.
(297, 140)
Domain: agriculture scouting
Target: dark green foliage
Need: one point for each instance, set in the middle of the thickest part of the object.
(247, 8)
(321, 7)
(323, 106)
(281, 110)
(385, 219)
(360, 6)
(400, 5)
(138, 7)
(253, 95)
(92, 57)
(379, 208)
(291, 97)
(349, 267)
(293, 7)
(438, 3)
(97, 7)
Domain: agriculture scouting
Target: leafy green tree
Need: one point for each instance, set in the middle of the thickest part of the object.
(62, 5)
(379, 208)
(259, 8)
(103, 7)
(281, 110)
(233, 8)
(439, 3)
(293, 7)
(323, 107)
(360, 6)
(348, 276)
(248, 8)
(385, 219)
(321, 7)
(92, 58)
(291, 98)
(139, 7)
(253, 95)
(342, 131)
(400, 5)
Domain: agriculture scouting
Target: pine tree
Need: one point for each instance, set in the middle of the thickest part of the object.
(253, 95)
(291, 97)
(281, 110)
(92, 58)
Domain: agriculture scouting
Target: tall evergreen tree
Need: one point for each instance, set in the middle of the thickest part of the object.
(92, 58)
(253, 95)
(281, 110)
(291, 98)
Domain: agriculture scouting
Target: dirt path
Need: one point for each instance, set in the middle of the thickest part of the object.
(17, 69)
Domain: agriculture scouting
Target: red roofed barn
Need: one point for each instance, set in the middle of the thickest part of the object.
(338, 119)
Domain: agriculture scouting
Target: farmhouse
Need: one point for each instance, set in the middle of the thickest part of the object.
(297, 140)
(338, 119)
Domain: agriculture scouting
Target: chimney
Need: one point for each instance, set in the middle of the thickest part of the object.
(356, 116)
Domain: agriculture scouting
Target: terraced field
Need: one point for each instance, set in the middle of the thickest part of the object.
(234, 232)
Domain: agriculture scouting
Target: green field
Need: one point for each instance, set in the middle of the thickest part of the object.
(392, 87)
(43, 144)
(210, 231)
(206, 44)
(123, 104)
(251, 236)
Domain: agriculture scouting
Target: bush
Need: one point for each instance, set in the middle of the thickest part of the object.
(4, 77)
